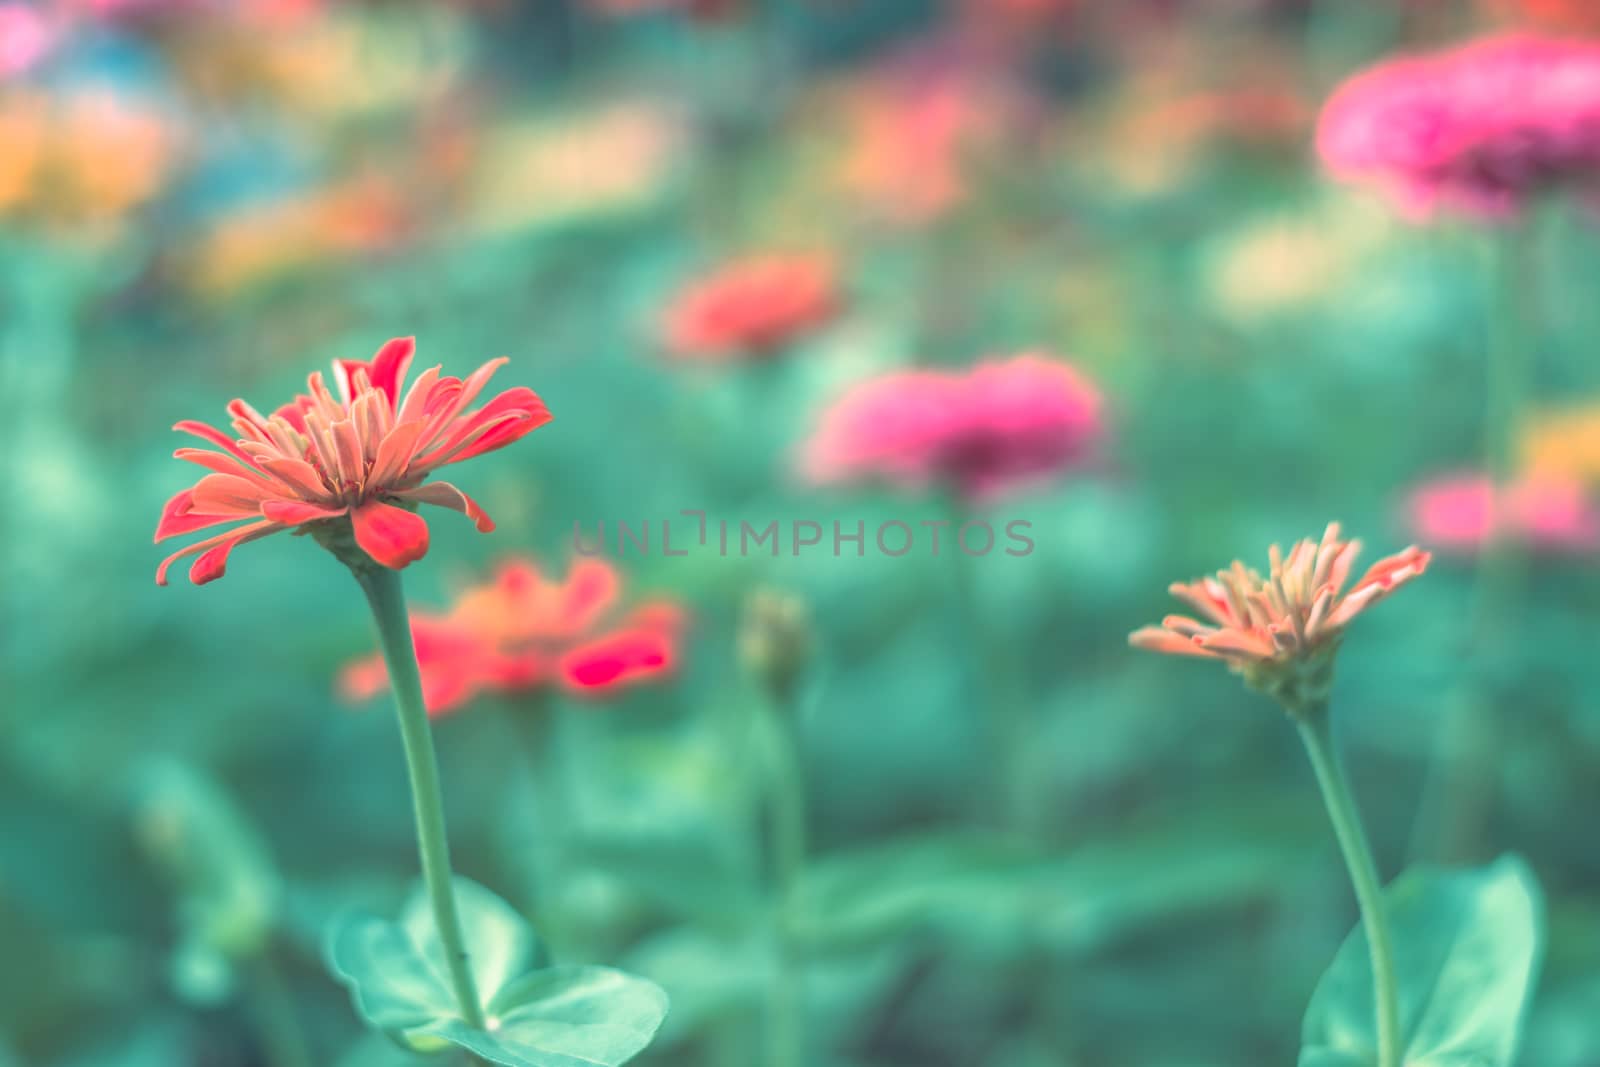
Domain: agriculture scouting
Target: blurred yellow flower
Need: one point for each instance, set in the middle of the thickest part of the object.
(1288, 260)
(614, 157)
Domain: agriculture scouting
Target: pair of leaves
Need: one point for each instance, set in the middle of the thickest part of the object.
(1466, 948)
(557, 1017)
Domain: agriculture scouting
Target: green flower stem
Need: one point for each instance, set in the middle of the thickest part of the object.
(282, 1039)
(1458, 789)
(1010, 728)
(1317, 732)
(388, 601)
(540, 728)
(786, 814)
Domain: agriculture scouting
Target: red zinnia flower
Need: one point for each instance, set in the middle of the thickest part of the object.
(522, 631)
(752, 306)
(320, 463)
(984, 430)
(1482, 127)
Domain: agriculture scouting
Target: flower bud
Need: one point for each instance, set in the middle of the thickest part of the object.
(775, 641)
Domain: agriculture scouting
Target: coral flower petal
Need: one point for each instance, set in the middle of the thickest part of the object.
(221, 464)
(223, 494)
(216, 437)
(386, 371)
(180, 517)
(295, 512)
(445, 495)
(215, 564)
(395, 452)
(1155, 639)
(392, 536)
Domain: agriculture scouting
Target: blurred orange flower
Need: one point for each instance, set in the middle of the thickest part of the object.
(1280, 632)
(914, 131)
(363, 214)
(85, 157)
(522, 631)
(752, 306)
(1564, 445)
(1577, 16)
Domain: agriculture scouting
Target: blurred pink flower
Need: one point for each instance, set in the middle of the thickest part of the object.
(1280, 632)
(1458, 514)
(26, 38)
(709, 10)
(982, 431)
(1480, 128)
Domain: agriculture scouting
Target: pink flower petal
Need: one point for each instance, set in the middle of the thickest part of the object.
(616, 659)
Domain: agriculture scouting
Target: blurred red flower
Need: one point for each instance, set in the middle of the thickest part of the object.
(752, 306)
(983, 431)
(521, 631)
(1481, 128)
(1576, 16)
(351, 466)
(1459, 513)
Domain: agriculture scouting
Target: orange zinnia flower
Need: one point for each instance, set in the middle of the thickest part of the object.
(345, 468)
(752, 306)
(1280, 632)
(522, 631)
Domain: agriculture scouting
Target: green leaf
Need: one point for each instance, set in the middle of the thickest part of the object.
(396, 970)
(1466, 947)
(565, 1017)
(562, 1017)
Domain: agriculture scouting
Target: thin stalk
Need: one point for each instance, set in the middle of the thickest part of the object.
(539, 731)
(388, 601)
(282, 1039)
(1454, 793)
(1317, 732)
(786, 815)
(1006, 716)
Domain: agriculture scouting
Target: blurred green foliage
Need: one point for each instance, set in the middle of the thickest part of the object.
(185, 803)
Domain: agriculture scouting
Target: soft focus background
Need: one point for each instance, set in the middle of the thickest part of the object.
(207, 200)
